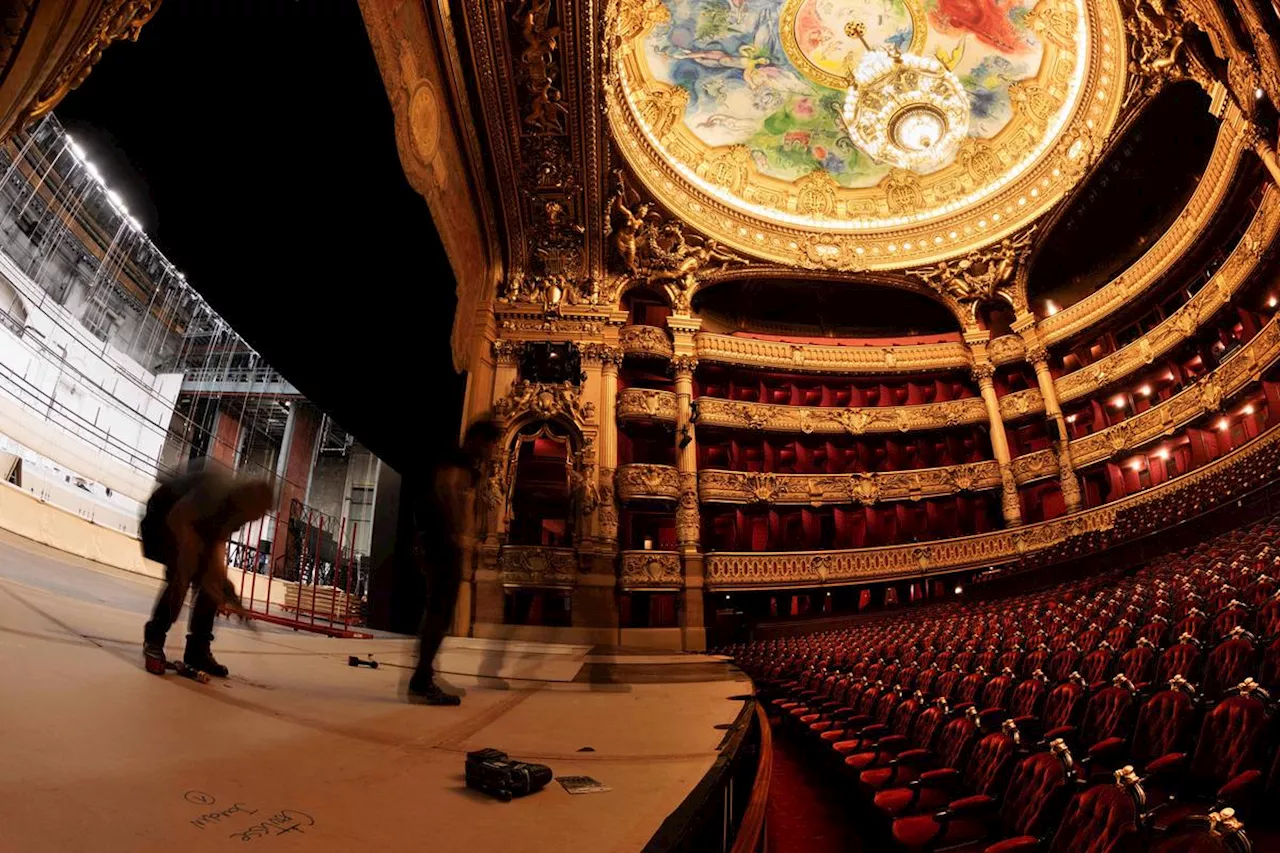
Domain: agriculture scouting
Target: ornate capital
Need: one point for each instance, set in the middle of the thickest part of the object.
(983, 372)
(686, 364)
(507, 352)
(1037, 354)
(599, 353)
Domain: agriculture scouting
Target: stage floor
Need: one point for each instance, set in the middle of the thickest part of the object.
(96, 754)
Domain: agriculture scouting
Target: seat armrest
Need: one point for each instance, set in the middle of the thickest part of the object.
(1107, 750)
(943, 777)
(1021, 844)
(967, 808)
(875, 730)
(1167, 764)
(912, 756)
(1066, 732)
(1239, 791)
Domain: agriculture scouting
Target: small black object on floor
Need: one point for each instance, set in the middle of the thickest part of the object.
(492, 772)
(355, 661)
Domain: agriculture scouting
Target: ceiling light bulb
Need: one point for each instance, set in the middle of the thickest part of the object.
(1271, 303)
(1248, 410)
(1135, 465)
(959, 589)
(1071, 419)
(1118, 402)
(1145, 390)
(1162, 454)
(1222, 423)
(1258, 93)
(1050, 307)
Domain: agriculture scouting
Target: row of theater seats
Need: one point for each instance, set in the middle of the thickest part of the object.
(1128, 712)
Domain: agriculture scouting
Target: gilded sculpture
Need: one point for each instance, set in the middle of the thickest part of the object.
(537, 62)
(981, 275)
(660, 253)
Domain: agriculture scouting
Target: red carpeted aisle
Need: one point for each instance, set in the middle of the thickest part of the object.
(805, 815)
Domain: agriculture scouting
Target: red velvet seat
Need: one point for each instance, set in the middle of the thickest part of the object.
(985, 771)
(1182, 659)
(1229, 759)
(1028, 810)
(1103, 819)
(1216, 832)
(1228, 665)
(949, 749)
(1063, 663)
(1062, 707)
(1096, 666)
(1137, 663)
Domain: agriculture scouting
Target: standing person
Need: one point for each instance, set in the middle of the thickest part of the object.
(442, 521)
(186, 526)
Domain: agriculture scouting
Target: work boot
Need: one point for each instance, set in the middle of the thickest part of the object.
(153, 658)
(198, 657)
(424, 690)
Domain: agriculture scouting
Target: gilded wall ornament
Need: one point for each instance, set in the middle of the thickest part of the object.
(660, 253)
(981, 275)
(646, 481)
(545, 401)
(537, 566)
(645, 340)
(863, 489)
(651, 569)
(538, 66)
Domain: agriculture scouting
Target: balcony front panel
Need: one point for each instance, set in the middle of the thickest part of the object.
(645, 404)
(531, 565)
(815, 358)
(1206, 487)
(769, 417)
(648, 341)
(641, 481)
(735, 487)
(651, 570)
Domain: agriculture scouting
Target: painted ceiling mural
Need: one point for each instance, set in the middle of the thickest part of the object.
(730, 111)
(772, 77)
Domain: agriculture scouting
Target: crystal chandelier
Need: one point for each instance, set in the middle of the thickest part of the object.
(906, 110)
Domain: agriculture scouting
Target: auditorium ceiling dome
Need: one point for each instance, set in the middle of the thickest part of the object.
(862, 134)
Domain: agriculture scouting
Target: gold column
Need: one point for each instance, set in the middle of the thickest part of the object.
(687, 521)
(983, 370)
(688, 515)
(1038, 356)
(608, 511)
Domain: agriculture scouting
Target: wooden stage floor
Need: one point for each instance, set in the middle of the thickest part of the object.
(98, 755)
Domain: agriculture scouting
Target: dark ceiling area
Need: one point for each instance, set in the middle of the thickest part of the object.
(255, 141)
(1130, 200)
(825, 308)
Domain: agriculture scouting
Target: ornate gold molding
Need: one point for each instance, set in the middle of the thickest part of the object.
(535, 566)
(1209, 194)
(812, 358)
(645, 341)
(905, 220)
(738, 487)
(643, 481)
(825, 420)
(544, 401)
(725, 571)
(651, 569)
(1235, 374)
(646, 404)
(77, 51)
(1234, 274)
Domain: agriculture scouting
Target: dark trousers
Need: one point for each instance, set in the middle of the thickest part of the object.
(169, 604)
(444, 575)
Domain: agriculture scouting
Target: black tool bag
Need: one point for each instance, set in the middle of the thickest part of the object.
(491, 771)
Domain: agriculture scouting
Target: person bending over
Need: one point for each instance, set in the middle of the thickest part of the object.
(186, 526)
(442, 522)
